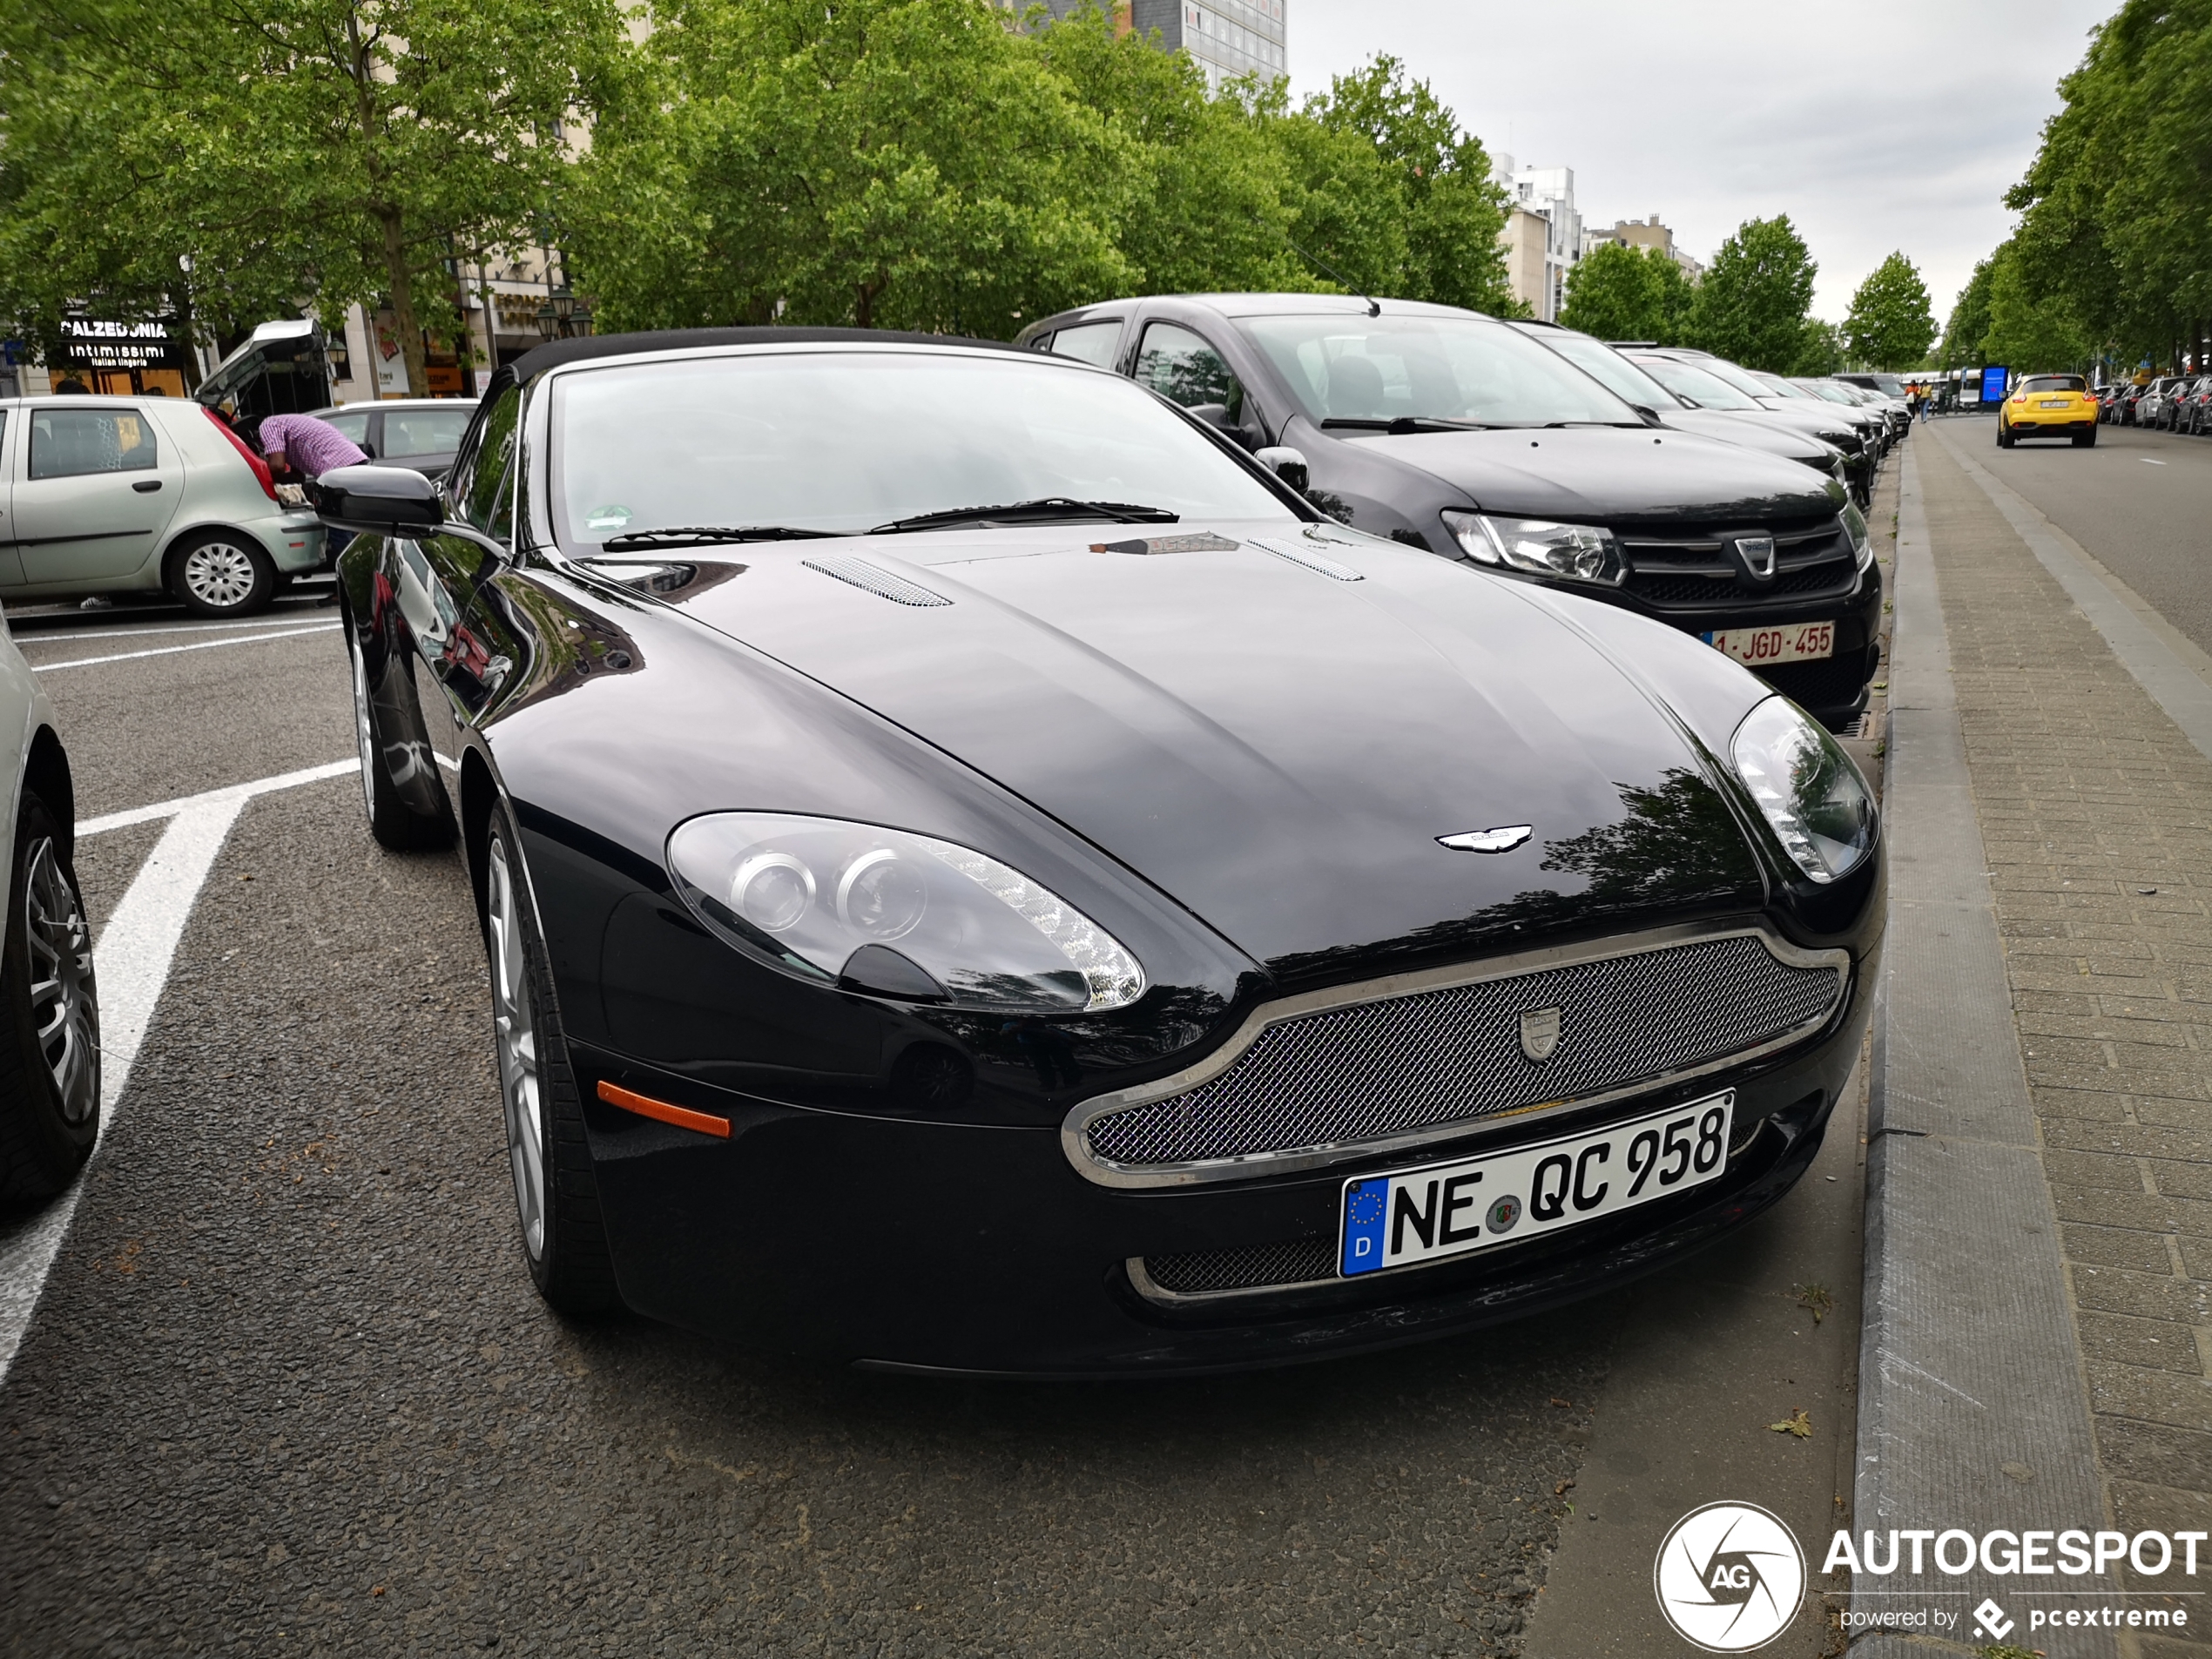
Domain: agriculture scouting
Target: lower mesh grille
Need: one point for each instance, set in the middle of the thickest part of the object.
(1821, 685)
(1378, 1069)
(1300, 1262)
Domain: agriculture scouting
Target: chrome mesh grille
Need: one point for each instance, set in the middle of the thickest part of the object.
(1413, 1063)
(1300, 1262)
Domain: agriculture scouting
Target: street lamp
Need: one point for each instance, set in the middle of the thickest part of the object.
(564, 316)
(549, 321)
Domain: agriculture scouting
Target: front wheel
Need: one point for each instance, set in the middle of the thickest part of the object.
(391, 820)
(50, 1017)
(557, 1190)
(223, 573)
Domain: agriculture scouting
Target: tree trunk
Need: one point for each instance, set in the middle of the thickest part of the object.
(402, 283)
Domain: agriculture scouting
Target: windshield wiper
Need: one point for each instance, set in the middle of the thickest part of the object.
(1045, 509)
(708, 536)
(1405, 424)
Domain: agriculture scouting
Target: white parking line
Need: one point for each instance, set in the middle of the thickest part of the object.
(69, 635)
(132, 956)
(171, 650)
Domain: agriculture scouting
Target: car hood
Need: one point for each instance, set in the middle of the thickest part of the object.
(1612, 474)
(1751, 432)
(1275, 747)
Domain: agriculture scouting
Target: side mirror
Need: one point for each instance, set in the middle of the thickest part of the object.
(1214, 415)
(379, 501)
(1286, 464)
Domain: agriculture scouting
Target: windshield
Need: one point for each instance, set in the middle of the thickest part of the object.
(1829, 393)
(1374, 370)
(1704, 391)
(2052, 383)
(1778, 387)
(1740, 378)
(843, 440)
(1609, 368)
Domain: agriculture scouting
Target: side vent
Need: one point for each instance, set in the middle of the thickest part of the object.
(880, 583)
(1311, 561)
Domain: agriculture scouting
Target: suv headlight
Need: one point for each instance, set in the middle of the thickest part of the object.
(1576, 552)
(1806, 786)
(1862, 539)
(940, 923)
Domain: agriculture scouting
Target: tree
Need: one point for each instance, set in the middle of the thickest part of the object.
(1620, 293)
(1820, 349)
(1752, 306)
(905, 163)
(1452, 208)
(1969, 325)
(1890, 324)
(2030, 331)
(329, 151)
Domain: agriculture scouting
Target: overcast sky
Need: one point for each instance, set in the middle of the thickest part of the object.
(1875, 125)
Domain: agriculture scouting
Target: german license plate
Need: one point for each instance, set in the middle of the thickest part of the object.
(1452, 1209)
(1794, 642)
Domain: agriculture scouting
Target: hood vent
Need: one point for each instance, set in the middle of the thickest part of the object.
(880, 583)
(1311, 561)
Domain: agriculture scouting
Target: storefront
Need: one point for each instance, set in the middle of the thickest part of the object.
(128, 359)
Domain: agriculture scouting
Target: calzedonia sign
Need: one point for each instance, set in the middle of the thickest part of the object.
(98, 343)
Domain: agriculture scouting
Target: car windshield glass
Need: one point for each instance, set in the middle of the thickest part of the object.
(1742, 379)
(425, 432)
(1830, 393)
(1607, 368)
(1706, 391)
(842, 440)
(1778, 387)
(1380, 369)
(2052, 383)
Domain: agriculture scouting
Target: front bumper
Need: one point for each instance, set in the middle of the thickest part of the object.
(934, 1247)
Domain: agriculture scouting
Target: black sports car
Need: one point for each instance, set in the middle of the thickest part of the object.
(1452, 431)
(979, 875)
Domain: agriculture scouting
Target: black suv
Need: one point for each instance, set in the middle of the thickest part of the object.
(1454, 432)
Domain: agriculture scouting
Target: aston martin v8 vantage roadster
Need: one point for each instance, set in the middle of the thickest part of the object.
(980, 876)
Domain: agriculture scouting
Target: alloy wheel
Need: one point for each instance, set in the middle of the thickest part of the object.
(514, 1019)
(65, 1009)
(218, 574)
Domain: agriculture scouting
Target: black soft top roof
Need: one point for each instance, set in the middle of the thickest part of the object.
(554, 354)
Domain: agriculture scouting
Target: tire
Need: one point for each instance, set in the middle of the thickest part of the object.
(2085, 439)
(222, 573)
(562, 1228)
(50, 1055)
(391, 822)
(2004, 435)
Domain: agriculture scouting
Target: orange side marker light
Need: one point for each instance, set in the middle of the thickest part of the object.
(646, 1106)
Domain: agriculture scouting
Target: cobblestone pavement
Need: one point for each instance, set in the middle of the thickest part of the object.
(2096, 816)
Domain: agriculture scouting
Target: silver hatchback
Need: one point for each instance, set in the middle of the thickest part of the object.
(117, 495)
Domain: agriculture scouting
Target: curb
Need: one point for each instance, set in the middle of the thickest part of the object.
(1969, 1370)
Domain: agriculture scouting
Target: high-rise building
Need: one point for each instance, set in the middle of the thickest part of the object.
(1227, 37)
(1545, 194)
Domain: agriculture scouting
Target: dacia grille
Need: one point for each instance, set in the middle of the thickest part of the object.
(1699, 571)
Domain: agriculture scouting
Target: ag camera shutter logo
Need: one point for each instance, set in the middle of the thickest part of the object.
(1730, 1577)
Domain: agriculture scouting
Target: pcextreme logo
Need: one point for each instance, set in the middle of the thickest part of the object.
(1730, 1577)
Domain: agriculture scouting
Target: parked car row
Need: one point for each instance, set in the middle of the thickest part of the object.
(1671, 483)
(1215, 843)
(2170, 403)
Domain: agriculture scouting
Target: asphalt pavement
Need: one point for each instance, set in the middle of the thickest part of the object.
(286, 1387)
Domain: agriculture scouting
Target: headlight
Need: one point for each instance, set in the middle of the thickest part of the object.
(1578, 552)
(940, 922)
(1807, 786)
(1862, 539)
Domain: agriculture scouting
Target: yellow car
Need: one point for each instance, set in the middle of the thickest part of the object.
(2048, 405)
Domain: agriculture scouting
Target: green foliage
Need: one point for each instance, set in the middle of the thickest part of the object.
(1969, 324)
(2035, 333)
(1821, 349)
(1752, 306)
(1891, 325)
(319, 151)
(2115, 247)
(1620, 293)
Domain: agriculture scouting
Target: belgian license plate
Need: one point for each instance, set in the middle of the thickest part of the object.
(1795, 641)
(2051, 404)
(1450, 1208)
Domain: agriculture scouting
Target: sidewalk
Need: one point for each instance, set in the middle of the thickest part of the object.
(2094, 818)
